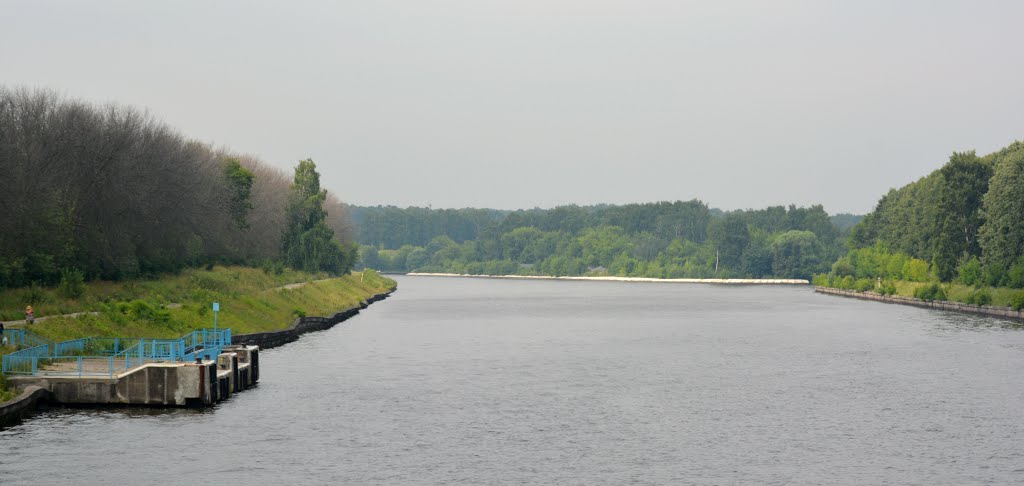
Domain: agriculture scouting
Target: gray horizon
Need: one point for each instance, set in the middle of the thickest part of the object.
(515, 105)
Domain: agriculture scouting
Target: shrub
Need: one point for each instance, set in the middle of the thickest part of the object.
(820, 280)
(843, 267)
(979, 297)
(1017, 301)
(915, 270)
(34, 294)
(864, 284)
(930, 292)
(1015, 277)
(72, 283)
(144, 311)
(995, 276)
(970, 272)
(299, 313)
(888, 288)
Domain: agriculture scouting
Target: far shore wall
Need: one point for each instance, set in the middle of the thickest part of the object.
(988, 310)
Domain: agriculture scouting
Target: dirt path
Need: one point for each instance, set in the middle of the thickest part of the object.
(21, 323)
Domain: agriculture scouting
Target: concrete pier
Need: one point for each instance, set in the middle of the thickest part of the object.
(164, 384)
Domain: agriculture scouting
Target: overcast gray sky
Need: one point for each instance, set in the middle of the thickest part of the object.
(522, 103)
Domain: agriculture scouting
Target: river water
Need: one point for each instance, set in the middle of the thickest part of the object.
(478, 381)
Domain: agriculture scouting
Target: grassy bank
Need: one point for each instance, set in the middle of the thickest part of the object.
(251, 300)
(954, 292)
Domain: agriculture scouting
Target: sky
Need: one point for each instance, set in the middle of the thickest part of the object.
(523, 103)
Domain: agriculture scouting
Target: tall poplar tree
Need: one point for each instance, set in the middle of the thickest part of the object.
(308, 243)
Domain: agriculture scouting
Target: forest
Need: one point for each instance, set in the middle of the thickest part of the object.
(109, 192)
(662, 240)
(962, 224)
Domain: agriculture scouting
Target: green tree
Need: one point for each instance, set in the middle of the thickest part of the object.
(730, 237)
(308, 243)
(796, 254)
(239, 182)
(964, 181)
(1002, 235)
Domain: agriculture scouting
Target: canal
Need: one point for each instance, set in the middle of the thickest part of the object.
(480, 381)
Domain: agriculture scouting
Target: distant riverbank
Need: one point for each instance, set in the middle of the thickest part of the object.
(733, 281)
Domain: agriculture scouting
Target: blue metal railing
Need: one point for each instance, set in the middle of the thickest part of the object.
(107, 356)
(21, 338)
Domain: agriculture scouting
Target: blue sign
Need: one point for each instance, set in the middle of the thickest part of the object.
(216, 306)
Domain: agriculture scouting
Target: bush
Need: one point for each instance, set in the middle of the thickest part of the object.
(979, 297)
(144, 311)
(930, 292)
(843, 267)
(916, 270)
(72, 283)
(1015, 277)
(970, 272)
(888, 288)
(864, 284)
(1017, 301)
(35, 294)
(820, 280)
(995, 276)
(299, 313)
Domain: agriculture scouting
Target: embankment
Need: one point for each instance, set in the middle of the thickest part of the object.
(302, 325)
(733, 281)
(14, 409)
(987, 310)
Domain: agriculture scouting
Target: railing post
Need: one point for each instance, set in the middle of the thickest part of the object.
(79, 366)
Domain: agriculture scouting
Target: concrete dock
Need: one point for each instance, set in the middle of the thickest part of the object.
(165, 384)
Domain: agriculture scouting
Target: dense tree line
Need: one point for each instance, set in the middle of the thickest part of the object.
(110, 192)
(965, 221)
(664, 239)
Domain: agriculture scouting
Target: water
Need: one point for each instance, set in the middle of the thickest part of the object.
(509, 382)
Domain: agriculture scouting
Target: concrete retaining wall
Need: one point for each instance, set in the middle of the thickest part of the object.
(988, 310)
(302, 325)
(18, 407)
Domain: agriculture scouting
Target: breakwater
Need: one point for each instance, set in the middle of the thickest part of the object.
(727, 281)
(988, 310)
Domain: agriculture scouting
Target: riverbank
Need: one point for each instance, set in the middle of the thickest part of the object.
(733, 281)
(251, 301)
(987, 310)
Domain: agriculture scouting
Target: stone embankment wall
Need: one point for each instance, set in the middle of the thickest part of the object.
(302, 325)
(733, 281)
(988, 310)
(14, 409)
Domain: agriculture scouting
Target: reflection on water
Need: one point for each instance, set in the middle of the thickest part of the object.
(540, 382)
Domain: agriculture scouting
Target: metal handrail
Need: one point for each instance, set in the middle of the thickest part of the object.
(69, 357)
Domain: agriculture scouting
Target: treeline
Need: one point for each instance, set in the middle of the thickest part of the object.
(392, 227)
(664, 240)
(109, 192)
(963, 222)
